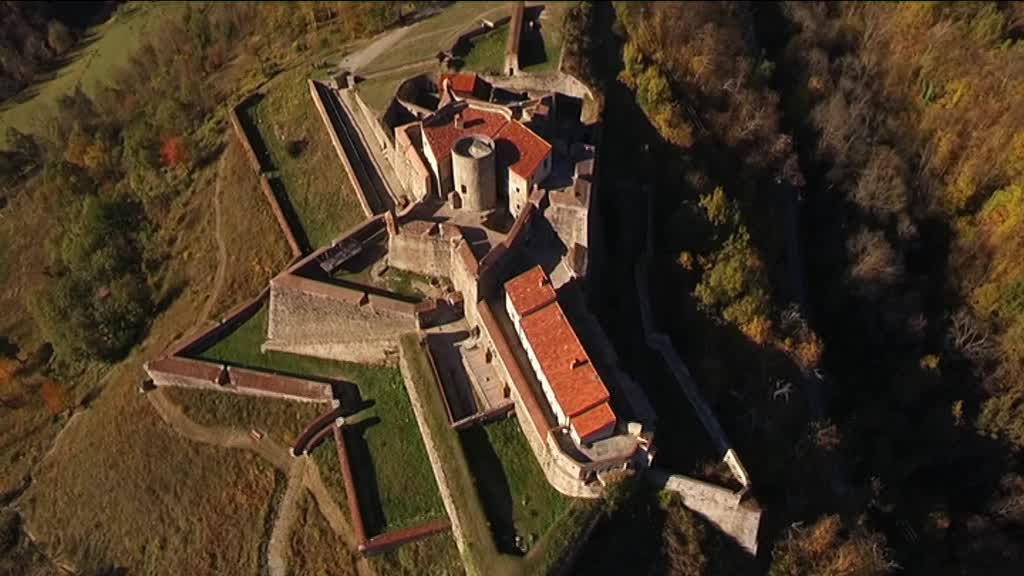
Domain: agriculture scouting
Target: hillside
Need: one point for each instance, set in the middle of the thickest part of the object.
(836, 193)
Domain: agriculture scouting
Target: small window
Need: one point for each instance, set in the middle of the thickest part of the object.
(463, 189)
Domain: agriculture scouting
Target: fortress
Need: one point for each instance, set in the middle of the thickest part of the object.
(483, 206)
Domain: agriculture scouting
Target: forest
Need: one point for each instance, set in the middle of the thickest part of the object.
(839, 212)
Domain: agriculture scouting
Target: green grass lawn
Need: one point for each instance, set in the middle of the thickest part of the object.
(393, 475)
(283, 420)
(242, 348)
(377, 92)
(482, 553)
(535, 505)
(487, 55)
(109, 46)
(314, 180)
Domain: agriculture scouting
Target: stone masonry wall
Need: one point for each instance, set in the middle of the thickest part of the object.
(427, 254)
(304, 322)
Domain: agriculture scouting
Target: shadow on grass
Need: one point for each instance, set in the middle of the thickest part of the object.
(494, 488)
(531, 43)
(246, 115)
(290, 214)
(364, 474)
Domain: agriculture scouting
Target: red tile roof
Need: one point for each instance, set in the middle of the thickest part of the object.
(463, 83)
(521, 148)
(529, 291)
(532, 148)
(441, 133)
(593, 420)
(563, 360)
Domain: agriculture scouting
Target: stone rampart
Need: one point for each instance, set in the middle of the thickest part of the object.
(723, 508)
(316, 91)
(187, 373)
(394, 539)
(373, 121)
(198, 374)
(422, 246)
(272, 385)
(350, 488)
(327, 321)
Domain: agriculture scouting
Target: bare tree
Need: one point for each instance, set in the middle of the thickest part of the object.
(968, 336)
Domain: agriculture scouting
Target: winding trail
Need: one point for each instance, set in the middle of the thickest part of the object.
(301, 475)
(222, 249)
(277, 550)
(172, 415)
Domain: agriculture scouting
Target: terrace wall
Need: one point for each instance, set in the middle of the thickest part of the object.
(198, 374)
(275, 207)
(317, 319)
(427, 254)
(243, 137)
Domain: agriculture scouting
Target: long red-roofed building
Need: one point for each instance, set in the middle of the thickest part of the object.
(574, 389)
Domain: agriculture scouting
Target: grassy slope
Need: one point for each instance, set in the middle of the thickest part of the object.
(314, 548)
(121, 487)
(261, 251)
(326, 457)
(283, 420)
(487, 56)
(435, 34)
(404, 479)
(108, 46)
(315, 180)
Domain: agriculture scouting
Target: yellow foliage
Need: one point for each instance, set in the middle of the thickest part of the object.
(1015, 161)
(953, 93)
(686, 260)
(8, 366)
(808, 352)
(929, 362)
(758, 329)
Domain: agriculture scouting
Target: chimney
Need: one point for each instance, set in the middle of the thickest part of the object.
(576, 363)
(458, 120)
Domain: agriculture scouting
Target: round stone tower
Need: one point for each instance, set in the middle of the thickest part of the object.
(473, 172)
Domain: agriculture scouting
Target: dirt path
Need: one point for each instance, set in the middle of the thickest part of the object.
(222, 249)
(171, 414)
(334, 515)
(277, 550)
(301, 475)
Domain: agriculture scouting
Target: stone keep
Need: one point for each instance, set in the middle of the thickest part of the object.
(474, 172)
